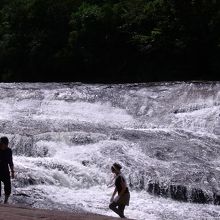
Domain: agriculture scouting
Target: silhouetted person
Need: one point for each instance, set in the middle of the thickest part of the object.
(119, 202)
(6, 161)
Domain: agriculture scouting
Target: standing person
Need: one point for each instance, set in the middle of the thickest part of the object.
(119, 202)
(6, 161)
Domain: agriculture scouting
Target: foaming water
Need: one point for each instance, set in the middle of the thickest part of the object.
(66, 136)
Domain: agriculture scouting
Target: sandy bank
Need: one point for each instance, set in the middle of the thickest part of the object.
(9, 212)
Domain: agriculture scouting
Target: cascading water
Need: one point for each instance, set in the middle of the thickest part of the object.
(65, 138)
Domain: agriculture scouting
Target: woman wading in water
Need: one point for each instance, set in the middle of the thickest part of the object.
(119, 202)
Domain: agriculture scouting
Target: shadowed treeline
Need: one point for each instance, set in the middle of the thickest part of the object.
(109, 40)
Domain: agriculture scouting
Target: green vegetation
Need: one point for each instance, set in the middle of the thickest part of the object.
(109, 40)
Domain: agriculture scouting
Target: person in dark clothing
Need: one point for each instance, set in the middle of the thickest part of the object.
(118, 203)
(6, 161)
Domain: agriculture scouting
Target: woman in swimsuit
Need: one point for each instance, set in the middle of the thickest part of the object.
(119, 202)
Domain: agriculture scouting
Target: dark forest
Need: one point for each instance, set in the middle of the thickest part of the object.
(109, 41)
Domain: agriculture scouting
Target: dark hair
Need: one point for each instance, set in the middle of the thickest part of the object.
(117, 166)
(112, 169)
(4, 140)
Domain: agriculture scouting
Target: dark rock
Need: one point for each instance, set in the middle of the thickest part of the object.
(216, 199)
(178, 192)
(198, 196)
(181, 193)
(85, 163)
(156, 189)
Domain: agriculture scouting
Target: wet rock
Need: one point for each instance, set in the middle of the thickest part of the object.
(156, 189)
(85, 163)
(198, 196)
(178, 192)
(181, 193)
(216, 199)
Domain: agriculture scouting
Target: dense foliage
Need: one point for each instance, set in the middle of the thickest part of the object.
(109, 40)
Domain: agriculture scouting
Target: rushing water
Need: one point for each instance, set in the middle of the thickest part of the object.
(66, 136)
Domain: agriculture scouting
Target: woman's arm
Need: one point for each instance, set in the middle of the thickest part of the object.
(113, 195)
(115, 191)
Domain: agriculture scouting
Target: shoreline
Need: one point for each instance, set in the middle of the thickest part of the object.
(13, 212)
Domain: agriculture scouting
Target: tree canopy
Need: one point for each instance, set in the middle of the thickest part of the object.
(109, 40)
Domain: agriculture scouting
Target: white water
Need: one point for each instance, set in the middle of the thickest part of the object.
(66, 137)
